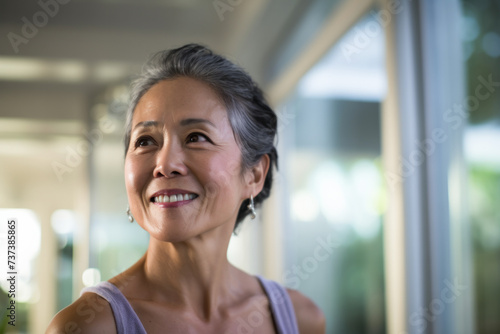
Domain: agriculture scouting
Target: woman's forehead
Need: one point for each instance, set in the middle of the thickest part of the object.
(180, 99)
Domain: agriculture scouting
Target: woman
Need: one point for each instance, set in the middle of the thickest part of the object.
(199, 157)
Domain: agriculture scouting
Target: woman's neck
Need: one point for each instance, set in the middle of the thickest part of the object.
(193, 274)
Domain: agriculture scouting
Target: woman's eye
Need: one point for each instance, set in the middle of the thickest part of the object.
(144, 141)
(196, 137)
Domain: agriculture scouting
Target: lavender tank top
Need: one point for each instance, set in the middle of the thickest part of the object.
(127, 321)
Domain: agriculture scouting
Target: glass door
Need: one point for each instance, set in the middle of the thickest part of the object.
(336, 197)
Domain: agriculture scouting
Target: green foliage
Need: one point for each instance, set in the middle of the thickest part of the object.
(484, 197)
(485, 15)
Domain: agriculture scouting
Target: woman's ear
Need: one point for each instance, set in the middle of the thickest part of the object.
(257, 175)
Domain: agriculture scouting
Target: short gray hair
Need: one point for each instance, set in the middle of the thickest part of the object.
(253, 121)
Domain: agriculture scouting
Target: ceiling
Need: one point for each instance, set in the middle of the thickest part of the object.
(88, 44)
(58, 57)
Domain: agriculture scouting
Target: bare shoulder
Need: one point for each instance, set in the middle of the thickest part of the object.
(310, 318)
(88, 314)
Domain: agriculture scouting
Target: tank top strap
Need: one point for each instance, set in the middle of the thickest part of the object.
(126, 320)
(281, 307)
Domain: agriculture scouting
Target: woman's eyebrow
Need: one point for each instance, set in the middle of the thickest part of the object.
(184, 122)
(145, 124)
(191, 121)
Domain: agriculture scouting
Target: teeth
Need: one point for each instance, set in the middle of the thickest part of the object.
(173, 198)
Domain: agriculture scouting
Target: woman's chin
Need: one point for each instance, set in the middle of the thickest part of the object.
(170, 232)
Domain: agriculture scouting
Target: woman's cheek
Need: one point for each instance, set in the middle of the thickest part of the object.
(133, 179)
(129, 176)
(223, 182)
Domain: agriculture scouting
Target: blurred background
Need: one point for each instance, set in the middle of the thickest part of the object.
(385, 209)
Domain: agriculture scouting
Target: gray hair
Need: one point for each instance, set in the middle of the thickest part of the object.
(252, 120)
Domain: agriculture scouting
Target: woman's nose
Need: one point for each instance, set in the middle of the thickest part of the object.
(170, 160)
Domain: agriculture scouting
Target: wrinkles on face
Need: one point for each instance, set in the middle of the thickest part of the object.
(181, 141)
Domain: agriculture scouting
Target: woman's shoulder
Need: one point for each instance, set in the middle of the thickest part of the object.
(310, 318)
(88, 314)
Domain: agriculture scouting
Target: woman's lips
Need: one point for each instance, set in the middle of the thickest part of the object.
(172, 197)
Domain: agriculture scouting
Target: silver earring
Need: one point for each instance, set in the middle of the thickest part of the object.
(251, 207)
(130, 217)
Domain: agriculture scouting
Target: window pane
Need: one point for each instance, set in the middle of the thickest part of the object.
(481, 44)
(336, 187)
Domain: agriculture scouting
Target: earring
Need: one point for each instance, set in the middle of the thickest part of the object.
(130, 217)
(251, 207)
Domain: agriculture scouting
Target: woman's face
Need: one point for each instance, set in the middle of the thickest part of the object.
(183, 166)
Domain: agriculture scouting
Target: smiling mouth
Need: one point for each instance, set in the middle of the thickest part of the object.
(173, 198)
